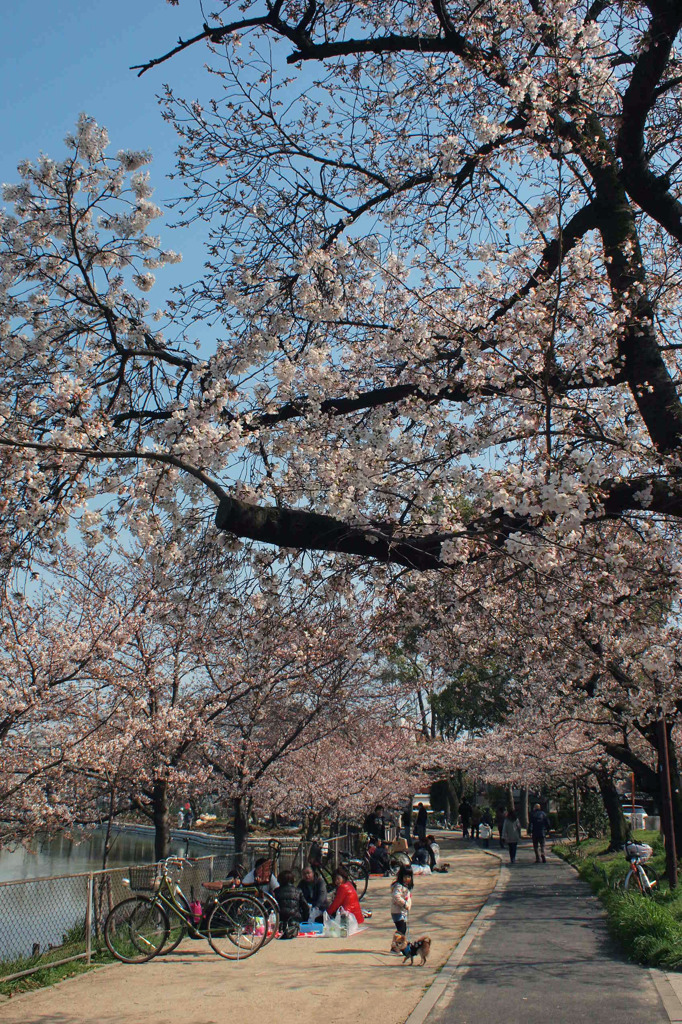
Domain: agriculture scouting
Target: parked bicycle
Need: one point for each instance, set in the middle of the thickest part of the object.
(357, 867)
(235, 921)
(638, 877)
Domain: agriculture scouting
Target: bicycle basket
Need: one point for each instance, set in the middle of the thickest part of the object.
(640, 850)
(144, 879)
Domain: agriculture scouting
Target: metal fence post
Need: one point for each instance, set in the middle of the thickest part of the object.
(88, 922)
(210, 869)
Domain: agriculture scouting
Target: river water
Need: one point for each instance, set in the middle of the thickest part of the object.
(43, 912)
(63, 856)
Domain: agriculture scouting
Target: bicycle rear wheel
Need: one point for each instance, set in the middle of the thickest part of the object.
(136, 930)
(238, 926)
(359, 875)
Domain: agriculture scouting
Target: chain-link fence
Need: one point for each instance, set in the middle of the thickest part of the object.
(50, 921)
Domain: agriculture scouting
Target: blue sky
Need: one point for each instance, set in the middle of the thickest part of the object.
(58, 59)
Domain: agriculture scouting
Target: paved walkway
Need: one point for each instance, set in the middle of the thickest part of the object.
(350, 981)
(540, 952)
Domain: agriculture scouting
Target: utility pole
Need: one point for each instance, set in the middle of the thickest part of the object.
(667, 802)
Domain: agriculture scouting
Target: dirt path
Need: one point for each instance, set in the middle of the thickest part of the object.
(343, 981)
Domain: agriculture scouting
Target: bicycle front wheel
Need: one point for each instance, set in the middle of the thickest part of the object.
(136, 930)
(649, 881)
(238, 926)
(272, 908)
(177, 929)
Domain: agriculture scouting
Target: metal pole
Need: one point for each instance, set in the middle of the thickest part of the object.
(576, 811)
(88, 922)
(667, 802)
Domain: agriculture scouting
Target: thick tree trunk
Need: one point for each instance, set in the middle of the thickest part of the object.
(161, 819)
(523, 809)
(510, 799)
(240, 827)
(618, 826)
(649, 780)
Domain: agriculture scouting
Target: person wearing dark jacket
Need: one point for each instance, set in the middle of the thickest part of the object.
(375, 825)
(539, 827)
(314, 890)
(292, 905)
(420, 824)
(465, 814)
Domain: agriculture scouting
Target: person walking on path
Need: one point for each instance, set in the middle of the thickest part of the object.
(475, 822)
(539, 827)
(511, 833)
(465, 815)
(401, 899)
(420, 824)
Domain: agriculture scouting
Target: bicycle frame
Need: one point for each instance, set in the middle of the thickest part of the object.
(645, 884)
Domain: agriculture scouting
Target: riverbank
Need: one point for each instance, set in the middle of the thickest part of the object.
(288, 980)
(648, 929)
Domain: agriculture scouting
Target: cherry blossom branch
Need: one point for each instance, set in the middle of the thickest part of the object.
(126, 454)
(649, 190)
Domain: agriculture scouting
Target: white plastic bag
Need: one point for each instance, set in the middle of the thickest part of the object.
(331, 929)
(341, 926)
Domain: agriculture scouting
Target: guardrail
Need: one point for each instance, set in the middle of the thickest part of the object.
(57, 919)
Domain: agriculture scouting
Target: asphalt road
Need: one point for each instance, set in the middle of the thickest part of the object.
(545, 956)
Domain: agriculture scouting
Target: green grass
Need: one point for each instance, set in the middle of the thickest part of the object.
(73, 943)
(649, 929)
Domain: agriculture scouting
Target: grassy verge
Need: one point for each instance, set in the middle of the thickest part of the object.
(649, 929)
(73, 943)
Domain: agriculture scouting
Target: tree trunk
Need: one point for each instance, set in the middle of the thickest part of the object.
(510, 799)
(422, 712)
(523, 809)
(161, 819)
(618, 826)
(240, 827)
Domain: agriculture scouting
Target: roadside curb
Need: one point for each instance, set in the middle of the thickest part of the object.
(447, 977)
(668, 994)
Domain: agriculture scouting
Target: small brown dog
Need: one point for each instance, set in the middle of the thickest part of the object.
(420, 947)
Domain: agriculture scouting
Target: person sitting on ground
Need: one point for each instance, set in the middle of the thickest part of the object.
(346, 896)
(433, 850)
(421, 854)
(379, 860)
(314, 890)
(293, 907)
(260, 874)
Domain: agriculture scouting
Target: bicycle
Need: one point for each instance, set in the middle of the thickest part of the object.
(235, 922)
(357, 867)
(637, 877)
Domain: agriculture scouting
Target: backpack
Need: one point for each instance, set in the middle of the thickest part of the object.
(290, 930)
(262, 873)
